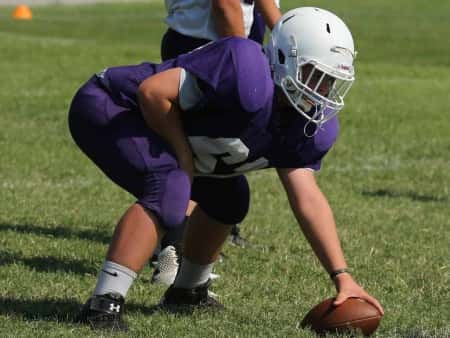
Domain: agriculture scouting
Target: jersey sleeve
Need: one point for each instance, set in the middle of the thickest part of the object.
(232, 72)
(306, 152)
(123, 82)
(189, 92)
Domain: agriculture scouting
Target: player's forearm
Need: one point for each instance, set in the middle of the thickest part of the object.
(228, 18)
(269, 11)
(163, 117)
(317, 223)
(314, 215)
(158, 100)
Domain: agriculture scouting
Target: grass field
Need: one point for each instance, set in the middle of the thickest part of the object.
(387, 179)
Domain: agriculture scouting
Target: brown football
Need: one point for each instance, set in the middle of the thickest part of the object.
(353, 314)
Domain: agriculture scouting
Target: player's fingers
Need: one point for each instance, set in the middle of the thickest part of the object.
(340, 298)
(375, 303)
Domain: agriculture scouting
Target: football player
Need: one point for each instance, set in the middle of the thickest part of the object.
(191, 127)
(192, 24)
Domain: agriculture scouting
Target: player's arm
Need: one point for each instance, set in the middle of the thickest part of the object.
(158, 100)
(316, 220)
(314, 215)
(269, 11)
(228, 17)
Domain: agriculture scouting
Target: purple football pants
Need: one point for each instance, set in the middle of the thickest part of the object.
(118, 141)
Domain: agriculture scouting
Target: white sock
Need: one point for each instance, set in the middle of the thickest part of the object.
(191, 275)
(115, 278)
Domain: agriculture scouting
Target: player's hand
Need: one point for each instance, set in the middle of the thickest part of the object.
(348, 288)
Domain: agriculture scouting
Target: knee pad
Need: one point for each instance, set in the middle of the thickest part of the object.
(168, 197)
(226, 200)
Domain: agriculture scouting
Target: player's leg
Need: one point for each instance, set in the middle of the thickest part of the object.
(236, 238)
(204, 237)
(118, 142)
(224, 201)
(135, 238)
(166, 258)
(221, 203)
(137, 228)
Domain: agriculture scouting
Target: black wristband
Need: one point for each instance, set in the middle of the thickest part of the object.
(338, 272)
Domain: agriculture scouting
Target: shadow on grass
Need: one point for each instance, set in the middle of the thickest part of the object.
(59, 232)
(404, 194)
(55, 309)
(48, 264)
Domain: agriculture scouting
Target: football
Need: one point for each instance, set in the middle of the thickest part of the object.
(353, 314)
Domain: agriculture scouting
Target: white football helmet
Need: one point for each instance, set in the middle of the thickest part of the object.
(311, 53)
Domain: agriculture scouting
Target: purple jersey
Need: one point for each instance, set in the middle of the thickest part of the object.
(232, 129)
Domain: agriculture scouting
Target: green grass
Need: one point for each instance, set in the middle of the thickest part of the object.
(387, 179)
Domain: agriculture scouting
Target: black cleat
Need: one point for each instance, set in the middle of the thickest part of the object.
(179, 300)
(235, 237)
(104, 312)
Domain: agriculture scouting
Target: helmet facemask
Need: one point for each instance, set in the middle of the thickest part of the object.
(316, 93)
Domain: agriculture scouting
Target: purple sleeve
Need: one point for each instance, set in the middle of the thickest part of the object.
(123, 82)
(306, 152)
(232, 72)
(258, 29)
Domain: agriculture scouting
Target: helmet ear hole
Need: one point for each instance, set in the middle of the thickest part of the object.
(281, 57)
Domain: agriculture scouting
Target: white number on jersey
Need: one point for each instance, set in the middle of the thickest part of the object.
(232, 151)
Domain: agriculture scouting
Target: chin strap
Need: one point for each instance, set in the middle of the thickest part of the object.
(317, 126)
(316, 129)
